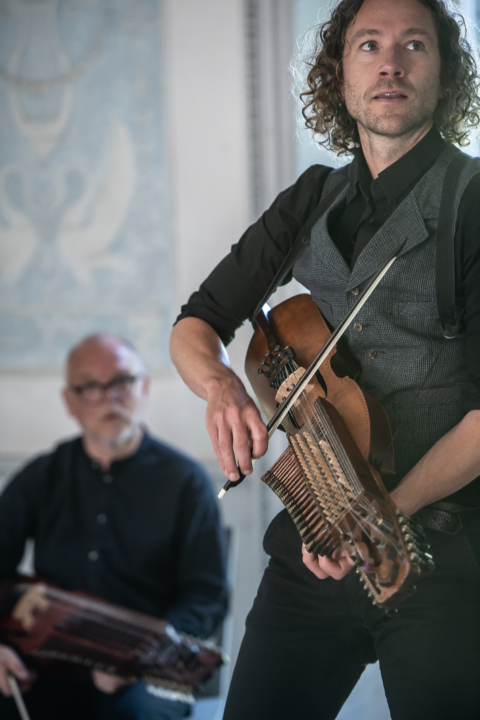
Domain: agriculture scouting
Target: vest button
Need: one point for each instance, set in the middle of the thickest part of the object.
(372, 354)
(355, 291)
(358, 327)
(107, 479)
(93, 555)
(102, 518)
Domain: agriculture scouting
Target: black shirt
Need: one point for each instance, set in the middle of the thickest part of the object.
(232, 291)
(145, 535)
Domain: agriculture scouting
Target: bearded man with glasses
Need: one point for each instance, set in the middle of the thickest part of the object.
(119, 514)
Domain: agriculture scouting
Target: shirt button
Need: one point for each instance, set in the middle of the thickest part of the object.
(355, 291)
(372, 354)
(102, 518)
(107, 479)
(358, 327)
(93, 555)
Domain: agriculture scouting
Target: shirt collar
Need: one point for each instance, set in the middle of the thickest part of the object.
(138, 453)
(402, 174)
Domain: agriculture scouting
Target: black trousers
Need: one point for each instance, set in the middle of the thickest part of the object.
(307, 640)
(50, 700)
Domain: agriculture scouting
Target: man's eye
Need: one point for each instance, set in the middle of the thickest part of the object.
(88, 387)
(415, 45)
(369, 45)
(123, 383)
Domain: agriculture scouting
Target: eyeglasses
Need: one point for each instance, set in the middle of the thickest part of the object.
(94, 392)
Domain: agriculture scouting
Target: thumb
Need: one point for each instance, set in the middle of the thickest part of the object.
(15, 666)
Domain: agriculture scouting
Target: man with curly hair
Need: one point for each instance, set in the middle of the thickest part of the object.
(395, 83)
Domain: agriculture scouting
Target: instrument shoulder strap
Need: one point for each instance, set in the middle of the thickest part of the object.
(460, 169)
(302, 240)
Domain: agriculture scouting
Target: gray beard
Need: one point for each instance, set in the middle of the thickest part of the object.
(121, 440)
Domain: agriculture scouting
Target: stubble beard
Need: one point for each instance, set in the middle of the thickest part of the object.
(394, 125)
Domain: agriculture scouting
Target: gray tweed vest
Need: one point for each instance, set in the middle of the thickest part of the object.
(397, 338)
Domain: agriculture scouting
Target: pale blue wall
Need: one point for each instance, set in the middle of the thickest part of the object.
(307, 14)
(84, 241)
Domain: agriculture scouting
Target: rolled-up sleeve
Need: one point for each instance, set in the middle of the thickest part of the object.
(468, 284)
(234, 288)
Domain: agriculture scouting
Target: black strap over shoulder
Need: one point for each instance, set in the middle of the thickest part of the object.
(302, 241)
(450, 315)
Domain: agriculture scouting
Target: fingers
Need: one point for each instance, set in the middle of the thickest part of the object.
(259, 437)
(237, 432)
(234, 435)
(250, 439)
(337, 567)
(311, 562)
(11, 664)
(4, 685)
(107, 683)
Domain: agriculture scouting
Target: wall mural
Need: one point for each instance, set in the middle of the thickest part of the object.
(83, 223)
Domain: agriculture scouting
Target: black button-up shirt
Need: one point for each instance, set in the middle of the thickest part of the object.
(145, 534)
(232, 291)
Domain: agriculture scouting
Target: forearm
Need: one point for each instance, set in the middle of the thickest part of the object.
(200, 357)
(449, 465)
(232, 419)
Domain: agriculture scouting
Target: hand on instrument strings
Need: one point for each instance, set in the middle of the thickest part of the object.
(108, 683)
(234, 422)
(337, 567)
(10, 664)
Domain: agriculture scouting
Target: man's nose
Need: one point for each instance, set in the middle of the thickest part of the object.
(113, 394)
(391, 64)
(110, 394)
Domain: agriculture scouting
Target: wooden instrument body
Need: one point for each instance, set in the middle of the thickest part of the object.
(52, 627)
(389, 562)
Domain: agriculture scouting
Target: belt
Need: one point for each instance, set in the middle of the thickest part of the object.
(443, 516)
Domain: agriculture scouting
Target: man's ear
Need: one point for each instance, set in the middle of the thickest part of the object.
(146, 383)
(68, 400)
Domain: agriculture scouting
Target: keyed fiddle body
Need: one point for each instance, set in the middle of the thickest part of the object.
(68, 634)
(331, 477)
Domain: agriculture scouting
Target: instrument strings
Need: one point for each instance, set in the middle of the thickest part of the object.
(84, 610)
(347, 495)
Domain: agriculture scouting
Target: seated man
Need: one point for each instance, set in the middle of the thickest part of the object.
(119, 514)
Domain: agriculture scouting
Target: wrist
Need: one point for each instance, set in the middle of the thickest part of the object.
(407, 503)
(223, 381)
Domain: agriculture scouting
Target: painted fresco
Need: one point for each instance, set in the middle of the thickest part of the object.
(84, 240)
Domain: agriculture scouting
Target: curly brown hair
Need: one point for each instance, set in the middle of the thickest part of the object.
(324, 109)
